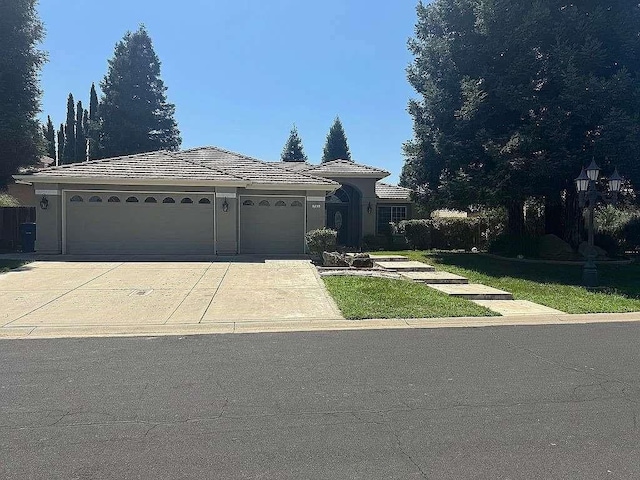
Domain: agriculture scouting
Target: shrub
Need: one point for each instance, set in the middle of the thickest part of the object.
(612, 220)
(631, 234)
(513, 245)
(417, 233)
(321, 240)
(7, 200)
(375, 242)
(609, 243)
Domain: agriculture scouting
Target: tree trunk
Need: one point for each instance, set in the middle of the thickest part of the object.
(515, 218)
(554, 215)
(574, 221)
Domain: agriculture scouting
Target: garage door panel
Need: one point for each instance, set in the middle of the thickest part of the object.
(139, 228)
(272, 225)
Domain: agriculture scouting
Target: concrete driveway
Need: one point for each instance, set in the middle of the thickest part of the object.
(121, 296)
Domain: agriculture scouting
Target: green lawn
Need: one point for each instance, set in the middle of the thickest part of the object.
(363, 297)
(6, 265)
(556, 286)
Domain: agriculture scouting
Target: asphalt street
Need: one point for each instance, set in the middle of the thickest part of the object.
(497, 403)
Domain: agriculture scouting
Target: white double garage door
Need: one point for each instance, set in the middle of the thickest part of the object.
(178, 223)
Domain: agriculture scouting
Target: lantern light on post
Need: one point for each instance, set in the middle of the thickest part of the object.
(582, 182)
(44, 203)
(615, 182)
(593, 171)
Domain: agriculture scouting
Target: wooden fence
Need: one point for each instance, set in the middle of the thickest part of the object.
(10, 220)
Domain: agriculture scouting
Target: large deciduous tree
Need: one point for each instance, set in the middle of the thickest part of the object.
(134, 112)
(293, 150)
(20, 61)
(336, 146)
(516, 95)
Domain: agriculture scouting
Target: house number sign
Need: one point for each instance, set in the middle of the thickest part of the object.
(316, 205)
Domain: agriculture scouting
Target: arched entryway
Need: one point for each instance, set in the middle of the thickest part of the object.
(343, 215)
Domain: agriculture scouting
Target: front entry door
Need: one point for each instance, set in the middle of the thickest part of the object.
(338, 220)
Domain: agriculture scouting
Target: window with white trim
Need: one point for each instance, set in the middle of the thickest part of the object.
(388, 214)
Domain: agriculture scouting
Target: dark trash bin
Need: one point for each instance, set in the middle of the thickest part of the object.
(28, 237)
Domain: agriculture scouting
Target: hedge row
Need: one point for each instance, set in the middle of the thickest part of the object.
(451, 233)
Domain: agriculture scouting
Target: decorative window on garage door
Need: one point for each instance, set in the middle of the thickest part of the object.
(132, 200)
(264, 203)
(150, 200)
(76, 198)
(95, 199)
(113, 199)
(186, 200)
(204, 201)
(296, 203)
(168, 200)
(248, 203)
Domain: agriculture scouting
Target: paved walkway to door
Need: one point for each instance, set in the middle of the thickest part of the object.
(116, 297)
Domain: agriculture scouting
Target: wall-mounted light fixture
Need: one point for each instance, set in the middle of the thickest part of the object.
(225, 205)
(369, 208)
(44, 203)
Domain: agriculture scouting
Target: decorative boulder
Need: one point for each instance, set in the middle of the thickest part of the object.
(360, 260)
(553, 247)
(583, 249)
(334, 259)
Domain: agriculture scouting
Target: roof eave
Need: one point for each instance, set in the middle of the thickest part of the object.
(31, 179)
(376, 175)
(294, 186)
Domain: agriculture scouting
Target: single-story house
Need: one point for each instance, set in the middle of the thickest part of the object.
(207, 201)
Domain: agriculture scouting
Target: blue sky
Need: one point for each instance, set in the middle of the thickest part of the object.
(241, 72)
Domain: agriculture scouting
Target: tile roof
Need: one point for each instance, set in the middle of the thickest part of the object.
(346, 168)
(198, 164)
(251, 169)
(385, 191)
(295, 166)
(152, 165)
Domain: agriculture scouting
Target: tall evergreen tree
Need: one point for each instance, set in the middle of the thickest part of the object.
(20, 134)
(336, 147)
(87, 129)
(134, 112)
(50, 137)
(60, 136)
(81, 135)
(93, 124)
(69, 152)
(293, 150)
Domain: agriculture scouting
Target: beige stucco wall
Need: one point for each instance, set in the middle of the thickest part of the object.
(49, 221)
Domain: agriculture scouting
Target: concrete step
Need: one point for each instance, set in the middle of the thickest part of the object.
(517, 307)
(435, 277)
(473, 291)
(389, 258)
(408, 266)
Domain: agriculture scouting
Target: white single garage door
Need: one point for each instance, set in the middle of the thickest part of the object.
(138, 223)
(272, 224)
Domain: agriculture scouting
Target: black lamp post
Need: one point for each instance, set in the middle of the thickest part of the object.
(589, 195)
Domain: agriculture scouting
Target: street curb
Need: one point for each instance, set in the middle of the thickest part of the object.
(293, 325)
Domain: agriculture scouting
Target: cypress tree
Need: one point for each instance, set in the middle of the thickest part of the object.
(20, 134)
(293, 150)
(336, 147)
(59, 158)
(50, 137)
(93, 124)
(69, 152)
(134, 112)
(81, 135)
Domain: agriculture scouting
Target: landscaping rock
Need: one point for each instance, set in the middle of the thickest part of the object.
(583, 249)
(334, 259)
(553, 247)
(361, 260)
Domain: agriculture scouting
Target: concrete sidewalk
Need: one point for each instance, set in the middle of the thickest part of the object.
(276, 325)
